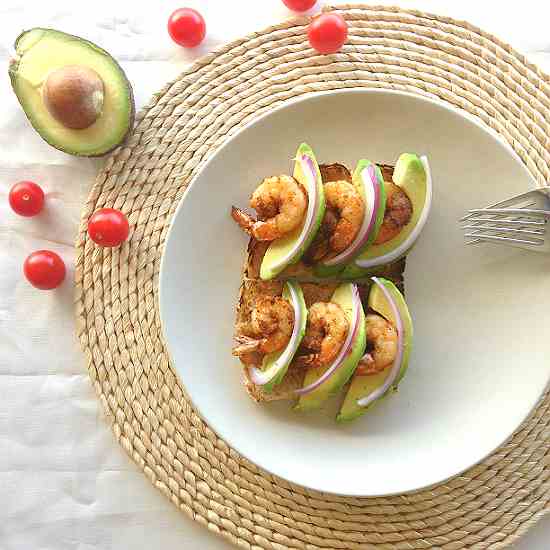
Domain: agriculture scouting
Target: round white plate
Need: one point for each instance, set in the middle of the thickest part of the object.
(481, 313)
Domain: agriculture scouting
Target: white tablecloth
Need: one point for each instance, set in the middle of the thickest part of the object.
(64, 482)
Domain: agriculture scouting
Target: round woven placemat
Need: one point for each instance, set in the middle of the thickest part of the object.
(116, 290)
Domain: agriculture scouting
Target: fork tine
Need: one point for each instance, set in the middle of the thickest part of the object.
(491, 209)
(505, 240)
(513, 202)
(511, 221)
(503, 229)
(523, 212)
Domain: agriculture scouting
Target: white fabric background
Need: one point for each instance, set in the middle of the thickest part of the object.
(64, 482)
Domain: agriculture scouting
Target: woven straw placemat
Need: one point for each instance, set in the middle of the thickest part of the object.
(116, 290)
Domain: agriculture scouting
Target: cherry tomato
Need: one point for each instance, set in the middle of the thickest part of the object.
(44, 269)
(108, 227)
(299, 5)
(187, 28)
(26, 198)
(327, 33)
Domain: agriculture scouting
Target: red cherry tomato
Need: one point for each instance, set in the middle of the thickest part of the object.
(108, 227)
(26, 198)
(44, 269)
(299, 5)
(327, 33)
(187, 28)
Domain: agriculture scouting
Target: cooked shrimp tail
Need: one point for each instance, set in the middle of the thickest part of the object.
(243, 345)
(244, 220)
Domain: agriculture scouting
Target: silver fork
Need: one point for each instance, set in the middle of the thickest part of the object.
(521, 221)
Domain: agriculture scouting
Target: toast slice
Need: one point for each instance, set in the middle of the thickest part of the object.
(250, 290)
(303, 271)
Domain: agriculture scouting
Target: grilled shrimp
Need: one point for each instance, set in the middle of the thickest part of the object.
(320, 245)
(397, 215)
(281, 204)
(326, 331)
(381, 345)
(344, 198)
(269, 329)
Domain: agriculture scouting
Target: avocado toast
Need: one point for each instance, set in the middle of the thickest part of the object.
(350, 332)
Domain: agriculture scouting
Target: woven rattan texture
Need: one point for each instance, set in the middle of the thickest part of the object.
(116, 289)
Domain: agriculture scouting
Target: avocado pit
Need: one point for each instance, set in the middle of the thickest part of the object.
(74, 95)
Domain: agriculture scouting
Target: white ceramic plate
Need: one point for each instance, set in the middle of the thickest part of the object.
(481, 314)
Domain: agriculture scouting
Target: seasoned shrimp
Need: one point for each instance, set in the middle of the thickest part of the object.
(270, 327)
(397, 215)
(326, 331)
(381, 345)
(342, 197)
(320, 245)
(281, 204)
(251, 359)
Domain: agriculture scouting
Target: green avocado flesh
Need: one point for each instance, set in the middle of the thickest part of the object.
(322, 270)
(41, 51)
(410, 175)
(342, 296)
(361, 386)
(287, 250)
(270, 360)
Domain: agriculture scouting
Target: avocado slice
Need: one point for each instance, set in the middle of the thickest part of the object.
(39, 53)
(362, 386)
(323, 270)
(413, 175)
(279, 361)
(343, 296)
(289, 249)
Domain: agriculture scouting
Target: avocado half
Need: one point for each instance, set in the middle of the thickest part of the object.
(41, 51)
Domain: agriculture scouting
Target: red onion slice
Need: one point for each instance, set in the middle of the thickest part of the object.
(371, 193)
(262, 377)
(344, 350)
(396, 367)
(310, 171)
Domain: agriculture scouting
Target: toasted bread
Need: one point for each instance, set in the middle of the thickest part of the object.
(314, 290)
(251, 289)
